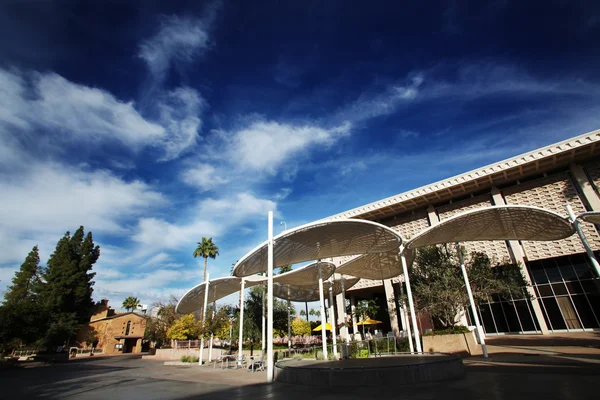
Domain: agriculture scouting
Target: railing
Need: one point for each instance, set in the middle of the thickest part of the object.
(377, 347)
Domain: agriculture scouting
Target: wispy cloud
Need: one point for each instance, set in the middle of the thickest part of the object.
(180, 39)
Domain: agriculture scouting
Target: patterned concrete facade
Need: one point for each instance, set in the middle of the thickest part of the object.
(551, 177)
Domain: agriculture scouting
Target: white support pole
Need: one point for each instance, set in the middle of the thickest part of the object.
(264, 322)
(332, 319)
(353, 315)
(270, 366)
(480, 333)
(346, 330)
(323, 319)
(204, 316)
(241, 333)
(411, 304)
(210, 345)
(289, 306)
(405, 321)
(584, 242)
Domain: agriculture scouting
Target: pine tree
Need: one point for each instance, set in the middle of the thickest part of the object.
(67, 294)
(21, 320)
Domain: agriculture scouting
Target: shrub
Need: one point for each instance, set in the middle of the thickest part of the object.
(190, 359)
(449, 331)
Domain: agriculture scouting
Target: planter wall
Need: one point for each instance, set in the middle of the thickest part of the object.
(463, 344)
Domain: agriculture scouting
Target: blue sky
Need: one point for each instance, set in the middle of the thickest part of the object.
(154, 123)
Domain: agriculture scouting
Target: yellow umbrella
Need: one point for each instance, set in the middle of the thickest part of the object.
(327, 327)
(369, 321)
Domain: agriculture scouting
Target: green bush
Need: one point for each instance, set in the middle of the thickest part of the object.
(190, 359)
(449, 331)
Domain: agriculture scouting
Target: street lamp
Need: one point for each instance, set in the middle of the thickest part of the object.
(284, 225)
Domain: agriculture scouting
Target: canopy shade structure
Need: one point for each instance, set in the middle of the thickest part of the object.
(496, 223)
(306, 276)
(378, 266)
(217, 289)
(369, 321)
(590, 216)
(310, 292)
(327, 327)
(320, 240)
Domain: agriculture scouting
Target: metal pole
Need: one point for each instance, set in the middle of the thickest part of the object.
(270, 366)
(346, 330)
(289, 306)
(584, 242)
(306, 306)
(241, 333)
(322, 301)
(204, 316)
(332, 319)
(405, 321)
(264, 323)
(210, 345)
(411, 305)
(472, 301)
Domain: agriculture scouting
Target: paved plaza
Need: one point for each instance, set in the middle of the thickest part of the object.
(519, 368)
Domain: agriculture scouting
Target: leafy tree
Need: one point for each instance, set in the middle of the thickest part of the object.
(67, 294)
(157, 327)
(439, 288)
(301, 327)
(315, 313)
(206, 249)
(217, 319)
(185, 328)
(131, 303)
(285, 268)
(21, 322)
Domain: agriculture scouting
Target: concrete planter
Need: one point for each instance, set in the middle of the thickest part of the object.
(463, 344)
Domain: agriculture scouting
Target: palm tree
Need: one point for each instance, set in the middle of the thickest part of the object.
(206, 249)
(285, 268)
(131, 303)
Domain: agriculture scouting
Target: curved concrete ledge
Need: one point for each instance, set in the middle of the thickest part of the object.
(407, 369)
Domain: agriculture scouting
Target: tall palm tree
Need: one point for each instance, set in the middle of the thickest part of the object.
(131, 303)
(206, 249)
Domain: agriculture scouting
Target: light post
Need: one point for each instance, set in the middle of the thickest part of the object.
(284, 225)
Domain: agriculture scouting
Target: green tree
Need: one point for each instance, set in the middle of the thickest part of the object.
(285, 268)
(185, 328)
(206, 249)
(67, 293)
(439, 287)
(314, 313)
(301, 327)
(21, 318)
(157, 327)
(365, 309)
(131, 303)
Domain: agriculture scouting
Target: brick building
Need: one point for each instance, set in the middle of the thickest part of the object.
(116, 332)
(565, 288)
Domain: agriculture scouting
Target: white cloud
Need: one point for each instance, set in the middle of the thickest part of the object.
(180, 39)
(263, 146)
(67, 111)
(203, 176)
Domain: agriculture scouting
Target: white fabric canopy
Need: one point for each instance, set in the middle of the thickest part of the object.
(590, 216)
(217, 289)
(309, 293)
(496, 223)
(320, 240)
(306, 276)
(378, 266)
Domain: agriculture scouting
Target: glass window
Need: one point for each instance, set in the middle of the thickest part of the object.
(585, 312)
(486, 319)
(559, 288)
(567, 271)
(554, 317)
(536, 271)
(553, 273)
(499, 317)
(511, 317)
(574, 287)
(525, 316)
(589, 286)
(128, 328)
(581, 266)
(544, 291)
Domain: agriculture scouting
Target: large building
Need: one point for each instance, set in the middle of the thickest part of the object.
(564, 286)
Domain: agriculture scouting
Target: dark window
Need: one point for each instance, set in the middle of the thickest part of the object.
(574, 287)
(581, 266)
(525, 316)
(559, 288)
(499, 317)
(554, 316)
(487, 321)
(553, 273)
(511, 317)
(536, 270)
(589, 286)
(128, 327)
(585, 312)
(545, 290)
